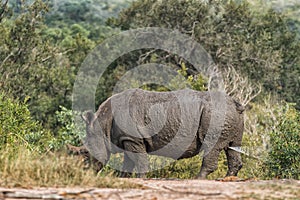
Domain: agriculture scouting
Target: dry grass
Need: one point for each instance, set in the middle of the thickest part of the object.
(29, 169)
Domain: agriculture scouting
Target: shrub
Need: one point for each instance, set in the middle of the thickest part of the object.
(283, 159)
(68, 133)
(17, 128)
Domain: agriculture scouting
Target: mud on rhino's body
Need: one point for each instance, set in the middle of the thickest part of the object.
(171, 124)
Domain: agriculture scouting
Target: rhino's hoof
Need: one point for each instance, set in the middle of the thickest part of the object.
(125, 175)
(201, 177)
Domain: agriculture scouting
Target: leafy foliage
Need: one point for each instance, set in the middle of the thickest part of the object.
(68, 133)
(290, 8)
(283, 160)
(31, 67)
(256, 44)
(89, 16)
(93, 11)
(18, 129)
(3, 8)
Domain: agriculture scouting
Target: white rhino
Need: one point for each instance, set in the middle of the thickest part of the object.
(177, 124)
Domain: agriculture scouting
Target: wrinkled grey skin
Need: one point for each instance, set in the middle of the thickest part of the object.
(180, 120)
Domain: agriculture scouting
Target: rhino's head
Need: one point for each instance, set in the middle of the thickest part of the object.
(95, 140)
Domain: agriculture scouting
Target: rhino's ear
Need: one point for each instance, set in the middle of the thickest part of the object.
(88, 117)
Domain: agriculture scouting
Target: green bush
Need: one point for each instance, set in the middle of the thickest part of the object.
(68, 133)
(283, 160)
(17, 128)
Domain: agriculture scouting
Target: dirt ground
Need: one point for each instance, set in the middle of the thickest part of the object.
(154, 189)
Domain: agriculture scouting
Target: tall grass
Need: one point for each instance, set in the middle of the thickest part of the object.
(25, 168)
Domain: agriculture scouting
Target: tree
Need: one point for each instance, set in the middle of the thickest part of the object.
(38, 61)
(260, 46)
(31, 67)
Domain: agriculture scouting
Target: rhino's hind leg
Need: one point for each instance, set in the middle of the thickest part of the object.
(209, 163)
(234, 158)
(136, 153)
(234, 162)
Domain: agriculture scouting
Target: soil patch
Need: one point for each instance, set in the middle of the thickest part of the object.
(168, 189)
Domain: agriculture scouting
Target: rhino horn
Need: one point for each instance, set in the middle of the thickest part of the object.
(88, 117)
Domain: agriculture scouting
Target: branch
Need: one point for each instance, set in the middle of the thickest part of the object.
(143, 57)
(240, 87)
(5, 59)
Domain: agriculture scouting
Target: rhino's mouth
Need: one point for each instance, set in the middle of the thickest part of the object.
(98, 166)
(87, 159)
(90, 162)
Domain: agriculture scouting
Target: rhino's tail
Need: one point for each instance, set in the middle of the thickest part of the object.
(239, 107)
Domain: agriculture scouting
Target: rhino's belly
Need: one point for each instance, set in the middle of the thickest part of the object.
(176, 150)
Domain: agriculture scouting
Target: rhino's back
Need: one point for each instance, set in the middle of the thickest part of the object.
(141, 105)
(144, 97)
(169, 123)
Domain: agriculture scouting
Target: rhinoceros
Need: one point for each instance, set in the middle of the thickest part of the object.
(176, 124)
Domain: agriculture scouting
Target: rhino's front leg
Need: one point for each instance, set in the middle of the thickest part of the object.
(136, 153)
(128, 166)
(209, 163)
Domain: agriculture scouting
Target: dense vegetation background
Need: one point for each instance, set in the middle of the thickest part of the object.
(255, 44)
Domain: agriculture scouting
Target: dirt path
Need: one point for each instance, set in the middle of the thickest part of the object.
(168, 189)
